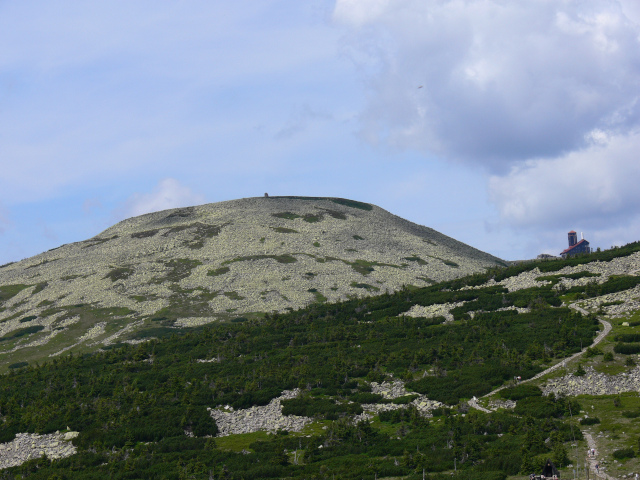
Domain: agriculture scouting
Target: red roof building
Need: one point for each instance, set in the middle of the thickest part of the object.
(575, 247)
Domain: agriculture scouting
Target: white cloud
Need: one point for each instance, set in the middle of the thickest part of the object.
(596, 186)
(492, 81)
(169, 193)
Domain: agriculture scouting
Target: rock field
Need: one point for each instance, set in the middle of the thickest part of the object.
(27, 446)
(594, 383)
(266, 418)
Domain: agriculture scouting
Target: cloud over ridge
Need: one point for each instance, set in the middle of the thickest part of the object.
(542, 95)
(495, 81)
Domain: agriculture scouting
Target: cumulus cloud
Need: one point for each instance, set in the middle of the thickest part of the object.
(598, 184)
(542, 95)
(168, 193)
(491, 81)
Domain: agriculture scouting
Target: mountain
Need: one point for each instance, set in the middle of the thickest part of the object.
(191, 266)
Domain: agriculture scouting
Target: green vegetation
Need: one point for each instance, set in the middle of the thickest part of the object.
(233, 295)
(92, 242)
(145, 234)
(284, 230)
(9, 291)
(218, 271)
(278, 258)
(121, 273)
(339, 201)
(178, 269)
(366, 286)
(416, 259)
(286, 215)
(132, 404)
(21, 332)
(365, 267)
(136, 406)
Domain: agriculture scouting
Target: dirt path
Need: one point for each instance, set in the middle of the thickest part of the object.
(594, 459)
(607, 328)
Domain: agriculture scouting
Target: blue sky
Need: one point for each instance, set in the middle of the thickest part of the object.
(501, 124)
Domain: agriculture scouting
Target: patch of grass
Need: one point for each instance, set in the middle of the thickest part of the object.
(286, 215)
(9, 291)
(451, 263)
(70, 277)
(241, 441)
(45, 303)
(178, 269)
(352, 204)
(44, 262)
(366, 286)
(39, 287)
(119, 273)
(340, 201)
(415, 258)
(335, 214)
(233, 296)
(21, 332)
(284, 230)
(316, 244)
(262, 239)
(202, 232)
(145, 234)
(13, 366)
(144, 298)
(320, 298)
(218, 271)
(365, 267)
(92, 242)
(28, 319)
(426, 279)
(357, 237)
(278, 258)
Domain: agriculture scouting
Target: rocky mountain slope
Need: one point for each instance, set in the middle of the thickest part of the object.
(191, 266)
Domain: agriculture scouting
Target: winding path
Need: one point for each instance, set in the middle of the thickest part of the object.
(607, 328)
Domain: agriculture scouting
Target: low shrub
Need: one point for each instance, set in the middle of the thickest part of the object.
(521, 391)
(631, 414)
(18, 365)
(624, 453)
(592, 352)
(628, 337)
(627, 348)
(590, 421)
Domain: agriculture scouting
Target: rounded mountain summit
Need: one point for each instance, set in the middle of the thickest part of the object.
(190, 266)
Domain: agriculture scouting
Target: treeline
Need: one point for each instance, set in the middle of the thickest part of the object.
(134, 405)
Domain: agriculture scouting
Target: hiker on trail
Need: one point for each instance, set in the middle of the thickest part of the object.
(598, 468)
(593, 452)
